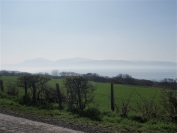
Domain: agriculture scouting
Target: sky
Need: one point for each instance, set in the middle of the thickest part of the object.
(96, 29)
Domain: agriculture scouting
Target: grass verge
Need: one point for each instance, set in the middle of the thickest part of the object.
(107, 120)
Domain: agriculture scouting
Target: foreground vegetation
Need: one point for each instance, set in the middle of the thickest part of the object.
(137, 108)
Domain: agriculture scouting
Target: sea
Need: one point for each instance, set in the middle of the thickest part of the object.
(155, 74)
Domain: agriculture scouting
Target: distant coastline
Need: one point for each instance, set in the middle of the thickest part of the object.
(151, 70)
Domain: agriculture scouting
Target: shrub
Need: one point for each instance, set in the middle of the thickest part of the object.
(26, 99)
(79, 91)
(1, 86)
(93, 114)
(45, 105)
(147, 108)
(12, 89)
(3, 95)
(50, 95)
(124, 109)
(169, 103)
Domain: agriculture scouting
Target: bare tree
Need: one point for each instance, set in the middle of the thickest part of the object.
(55, 73)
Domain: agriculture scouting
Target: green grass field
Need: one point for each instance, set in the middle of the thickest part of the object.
(122, 92)
(102, 92)
(110, 120)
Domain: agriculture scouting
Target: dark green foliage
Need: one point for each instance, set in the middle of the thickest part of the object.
(91, 113)
(108, 113)
(124, 79)
(44, 105)
(96, 78)
(3, 94)
(24, 81)
(94, 114)
(169, 102)
(1, 86)
(25, 100)
(41, 84)
(50, 95)
(169, 84)
(125, 107)
(147, 108)
(139, 119)
(12, 89)
(79, 91)
(37, 83)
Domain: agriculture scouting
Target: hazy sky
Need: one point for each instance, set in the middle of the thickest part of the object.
(121, 30)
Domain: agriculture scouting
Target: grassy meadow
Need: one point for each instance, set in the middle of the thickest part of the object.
(109, 120)
(102, 92)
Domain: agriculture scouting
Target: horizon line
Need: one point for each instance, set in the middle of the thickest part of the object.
(89, 59)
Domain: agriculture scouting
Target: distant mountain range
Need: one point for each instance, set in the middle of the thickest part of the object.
(88, 63)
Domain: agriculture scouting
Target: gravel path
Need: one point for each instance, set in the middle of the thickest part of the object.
(20, 125)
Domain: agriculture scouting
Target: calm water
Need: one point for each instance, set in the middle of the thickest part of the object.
(152, 74)
(139, 73)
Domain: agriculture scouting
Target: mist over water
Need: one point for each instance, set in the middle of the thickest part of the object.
(139, 73)
(151, 74)
(152, 70)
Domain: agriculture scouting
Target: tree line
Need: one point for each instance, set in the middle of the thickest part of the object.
(119, 79)
(78, 92)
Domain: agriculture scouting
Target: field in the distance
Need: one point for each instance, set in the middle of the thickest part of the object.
(103, 92)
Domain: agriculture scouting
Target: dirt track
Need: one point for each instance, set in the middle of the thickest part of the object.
(21, 125)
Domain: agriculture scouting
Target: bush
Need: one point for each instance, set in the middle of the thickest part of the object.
(50, 95)
(1, 86)
(147, 108)
(45, 105)
(79, 92)
(125, 108)
(3, 95)
(12, 89)
(92, 113)
(26, 100)
(169, 103)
